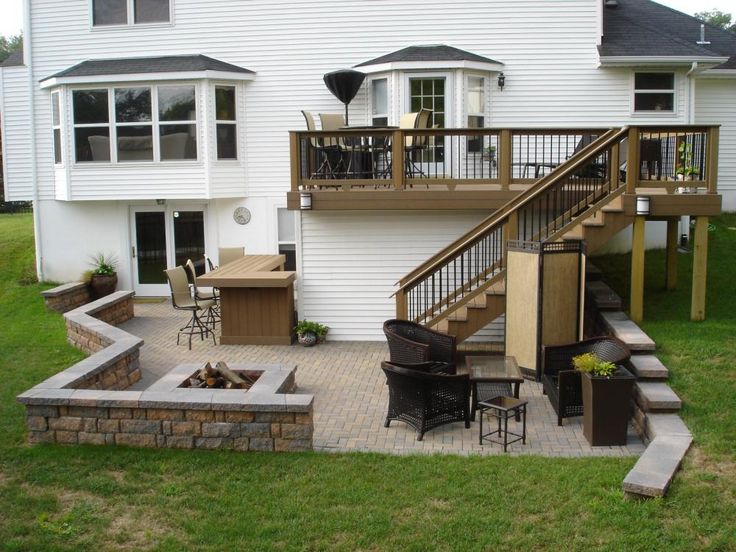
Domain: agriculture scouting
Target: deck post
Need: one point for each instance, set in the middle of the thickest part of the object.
(712, 166)
(632, 161)
(672, 239)
(700, 268)
(294, 154)
(614, 166)
(637, 270)
(397, 159)
(504, 167)
(401, 307)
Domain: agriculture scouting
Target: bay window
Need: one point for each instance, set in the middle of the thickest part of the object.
(144, 123)
(56, 126)
(475, 106)
(225, 122)
(379, 108)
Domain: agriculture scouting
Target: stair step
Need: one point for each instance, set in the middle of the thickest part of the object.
(460, 315)
(656, 396)
(601, 294)
(499, 288)
(478, 302)
(596, 223)
(574, 234)
(623, 328)
(648, 367)
(442, 326)
(612, 209)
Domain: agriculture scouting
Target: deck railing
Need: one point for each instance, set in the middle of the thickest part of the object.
(465, 268)
(488, 158)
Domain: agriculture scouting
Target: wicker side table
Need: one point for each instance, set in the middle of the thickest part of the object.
(502, 408)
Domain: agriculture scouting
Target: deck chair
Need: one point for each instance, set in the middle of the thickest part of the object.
(182, 299)
(415, 145)
(230, 254)
(328, 155)
(213, 313)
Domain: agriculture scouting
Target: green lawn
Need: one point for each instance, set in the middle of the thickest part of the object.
(76, 498)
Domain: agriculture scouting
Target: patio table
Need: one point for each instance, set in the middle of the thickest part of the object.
(491, 376)
(256, 300)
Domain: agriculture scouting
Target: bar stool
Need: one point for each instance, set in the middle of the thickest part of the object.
(502, 408)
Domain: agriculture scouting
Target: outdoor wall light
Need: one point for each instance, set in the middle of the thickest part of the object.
(501, 80)
(642, 205)
(305, 201)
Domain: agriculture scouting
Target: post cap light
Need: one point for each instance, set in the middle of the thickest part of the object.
(305, 201)
(642, 205)
(501, 80)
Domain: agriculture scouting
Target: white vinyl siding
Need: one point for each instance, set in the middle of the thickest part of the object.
(351, 261)
(15, 114)
(715, 103)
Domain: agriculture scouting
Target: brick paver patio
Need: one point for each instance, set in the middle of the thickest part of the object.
(351, 395)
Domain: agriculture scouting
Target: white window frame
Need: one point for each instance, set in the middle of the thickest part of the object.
(235, 123)
(386, 114)
(130, 10)
(56, 100)
(483, 113)
(156, 135)
(449, 77)
(654, 113)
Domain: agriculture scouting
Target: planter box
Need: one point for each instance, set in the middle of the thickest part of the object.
(606, 407)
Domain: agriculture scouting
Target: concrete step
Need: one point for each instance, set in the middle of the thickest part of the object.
(660, 425)
(648, 367)
(620, 326)
(602, 295)
(653, 472)
(656, 396)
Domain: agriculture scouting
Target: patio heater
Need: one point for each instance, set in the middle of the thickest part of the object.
(344, 85)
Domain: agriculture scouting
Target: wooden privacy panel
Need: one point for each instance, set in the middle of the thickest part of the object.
(522, 305)
(544, 301)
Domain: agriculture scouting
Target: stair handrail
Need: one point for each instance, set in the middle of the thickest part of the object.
(575, 161)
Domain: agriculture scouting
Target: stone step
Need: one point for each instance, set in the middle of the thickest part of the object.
(648, 367)
(661, 425)
(653, 472)
(602, 295)
(592, 272)
(656, 396)
(620, 326)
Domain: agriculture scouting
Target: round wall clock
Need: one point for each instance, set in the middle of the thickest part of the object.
(241, 215)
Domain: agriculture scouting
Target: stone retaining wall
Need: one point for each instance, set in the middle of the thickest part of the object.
(87, 403)
(67, 297)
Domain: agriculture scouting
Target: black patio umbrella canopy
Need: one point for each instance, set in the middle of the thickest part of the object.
(344, 85)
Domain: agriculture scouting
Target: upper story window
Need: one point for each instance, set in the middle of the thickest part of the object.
(379, 107)
(225, 121)
(475, 102)
(654, 92)
(129, 12)
(56, 126)
(156, 123)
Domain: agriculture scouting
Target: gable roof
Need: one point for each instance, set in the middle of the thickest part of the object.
(643, 28)
(433, 55)
(13, 60)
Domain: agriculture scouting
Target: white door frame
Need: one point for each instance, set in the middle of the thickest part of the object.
(158, 290)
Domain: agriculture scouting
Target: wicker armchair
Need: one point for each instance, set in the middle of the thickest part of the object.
(561, 382)
(411, 343)
(426, 400)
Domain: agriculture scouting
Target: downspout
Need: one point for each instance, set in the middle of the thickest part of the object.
(28, 60)
(689, 119)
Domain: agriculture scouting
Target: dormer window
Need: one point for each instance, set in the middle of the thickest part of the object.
(130, 12)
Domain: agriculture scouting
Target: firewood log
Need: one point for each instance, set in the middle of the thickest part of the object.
(240, 382)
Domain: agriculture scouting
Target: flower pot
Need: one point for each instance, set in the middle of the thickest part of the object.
(102, 285)
(307, 339)
(607, 407)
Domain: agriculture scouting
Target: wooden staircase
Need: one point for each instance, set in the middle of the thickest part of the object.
(575, 201)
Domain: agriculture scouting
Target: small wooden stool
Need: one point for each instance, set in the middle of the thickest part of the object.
(502, 408)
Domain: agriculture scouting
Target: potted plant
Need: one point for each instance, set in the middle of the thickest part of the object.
(686, 170)
(490, 155)
(104, 278)
(606, 400)
(310, 333)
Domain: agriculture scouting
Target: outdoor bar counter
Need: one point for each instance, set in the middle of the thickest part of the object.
(256, 300)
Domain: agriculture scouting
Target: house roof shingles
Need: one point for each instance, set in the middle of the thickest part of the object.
(438, 52)
(160, 64)
(13, 60)
(645, 28)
